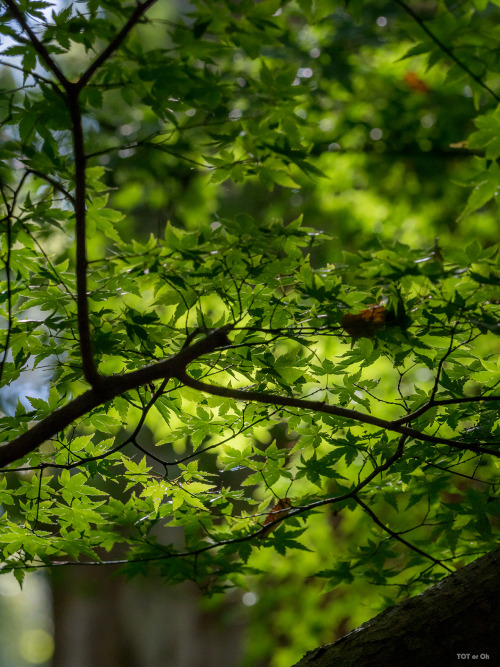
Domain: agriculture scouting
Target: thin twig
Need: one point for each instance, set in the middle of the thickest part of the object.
(396, 536)
(444, 401)
(10, 209)
(55, 184)
(446, 49)
(37, 44)
(35, 75)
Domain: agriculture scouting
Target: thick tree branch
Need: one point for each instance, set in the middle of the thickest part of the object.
(9, 293)
(72, 98)
(427, 629)
(108, 387)
(89, 369)
(73, 90)
(105, 389)
(324, 408)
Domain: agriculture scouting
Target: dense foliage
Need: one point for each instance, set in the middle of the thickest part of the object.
(205, 369)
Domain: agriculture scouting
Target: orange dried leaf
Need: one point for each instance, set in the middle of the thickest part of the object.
(279, 511)
(366, 323)
(416, 83)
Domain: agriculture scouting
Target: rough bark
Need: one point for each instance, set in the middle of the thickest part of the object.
(455, 621)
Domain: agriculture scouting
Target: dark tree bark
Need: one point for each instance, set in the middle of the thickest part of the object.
(455, 621)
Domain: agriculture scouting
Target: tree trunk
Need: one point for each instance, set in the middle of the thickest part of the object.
(455, 621)
(103, 620)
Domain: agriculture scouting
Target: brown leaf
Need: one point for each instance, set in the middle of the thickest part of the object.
(416, 83)
(279, 511)
(366, 323)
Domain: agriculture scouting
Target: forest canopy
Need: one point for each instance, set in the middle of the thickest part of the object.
(250, 297)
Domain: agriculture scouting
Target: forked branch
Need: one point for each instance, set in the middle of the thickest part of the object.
(136, 15)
